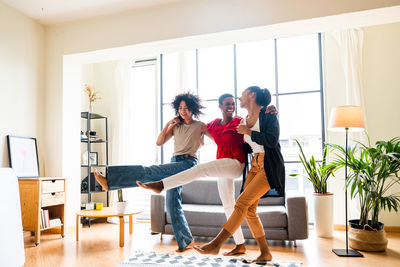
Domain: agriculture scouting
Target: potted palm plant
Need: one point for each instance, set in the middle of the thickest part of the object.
(121, 204)
(318, 174)
(373, 173)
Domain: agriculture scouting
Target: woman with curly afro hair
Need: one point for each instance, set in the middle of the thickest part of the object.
(188, 136)
(192, 103)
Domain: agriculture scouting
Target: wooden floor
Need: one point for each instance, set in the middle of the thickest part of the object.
(99, 246)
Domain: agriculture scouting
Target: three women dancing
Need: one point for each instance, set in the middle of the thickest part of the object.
(261, 132)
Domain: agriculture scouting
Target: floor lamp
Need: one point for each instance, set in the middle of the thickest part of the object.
(346, 117)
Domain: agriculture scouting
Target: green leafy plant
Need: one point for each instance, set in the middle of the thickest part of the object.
(317, 173)
(373, 172)
(120, 197)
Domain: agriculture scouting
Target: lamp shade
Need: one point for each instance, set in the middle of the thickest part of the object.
(346, 117)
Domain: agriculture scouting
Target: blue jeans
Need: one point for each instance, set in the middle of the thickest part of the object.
(125, 176)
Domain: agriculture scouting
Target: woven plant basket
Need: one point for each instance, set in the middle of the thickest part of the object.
(368, 239)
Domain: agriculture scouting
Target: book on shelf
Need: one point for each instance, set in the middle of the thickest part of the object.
(44, 214)
(55, 222)
(47, 217)
(42, 219)
(46, 222)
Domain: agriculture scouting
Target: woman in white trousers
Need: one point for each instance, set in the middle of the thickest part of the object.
(228, 165)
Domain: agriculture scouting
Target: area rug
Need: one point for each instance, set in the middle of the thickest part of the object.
(152, 259)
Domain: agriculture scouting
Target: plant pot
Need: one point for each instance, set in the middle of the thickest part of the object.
(121, 206)
(365, 238)
(323, 211)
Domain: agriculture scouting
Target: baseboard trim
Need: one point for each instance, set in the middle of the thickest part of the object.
(391, 229)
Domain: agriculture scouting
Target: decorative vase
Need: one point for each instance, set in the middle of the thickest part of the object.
(323, 211)
(366, 238)
(121, 206)
(91, 106)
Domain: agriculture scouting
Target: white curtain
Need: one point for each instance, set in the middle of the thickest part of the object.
(119, 123)
(350, 42)
(135, 93)
(120, 134)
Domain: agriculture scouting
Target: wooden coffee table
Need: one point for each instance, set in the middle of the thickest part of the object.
(108, 212)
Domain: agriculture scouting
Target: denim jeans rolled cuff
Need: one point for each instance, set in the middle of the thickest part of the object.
(179, 224)
(125, 176)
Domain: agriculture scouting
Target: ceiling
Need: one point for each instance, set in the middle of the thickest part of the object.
(59, 11)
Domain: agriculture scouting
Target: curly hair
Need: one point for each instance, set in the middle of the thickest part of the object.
(192, 102)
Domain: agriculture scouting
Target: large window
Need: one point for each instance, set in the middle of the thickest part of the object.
(143, 99)
(299, 98)
(289, 67)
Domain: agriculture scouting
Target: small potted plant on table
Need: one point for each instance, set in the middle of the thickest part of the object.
(121, 204)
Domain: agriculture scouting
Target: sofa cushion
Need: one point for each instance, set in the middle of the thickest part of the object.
(214, 215)
(210, 196)
(202, 191)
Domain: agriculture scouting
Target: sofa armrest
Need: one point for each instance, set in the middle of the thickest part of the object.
(297, 215)
(157, 213)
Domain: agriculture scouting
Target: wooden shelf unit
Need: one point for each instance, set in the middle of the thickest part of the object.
(88, 167)
(47, 193)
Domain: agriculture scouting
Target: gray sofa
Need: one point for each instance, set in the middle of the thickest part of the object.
(282, 218)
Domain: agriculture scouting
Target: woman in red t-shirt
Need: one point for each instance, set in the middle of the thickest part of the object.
(228, 165)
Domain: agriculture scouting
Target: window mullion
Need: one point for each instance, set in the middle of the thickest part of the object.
(235, 76)
(276, 74)
(161, 105)
(321, 82)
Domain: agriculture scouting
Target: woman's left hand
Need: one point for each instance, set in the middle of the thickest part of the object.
(271, 109)
(243, 129)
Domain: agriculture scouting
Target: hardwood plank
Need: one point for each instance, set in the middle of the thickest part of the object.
(99, 246)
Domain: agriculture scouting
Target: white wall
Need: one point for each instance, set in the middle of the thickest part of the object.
(381, 91)
(21, 80)
(381, 57)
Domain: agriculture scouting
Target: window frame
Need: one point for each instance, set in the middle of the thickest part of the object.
(276, 94)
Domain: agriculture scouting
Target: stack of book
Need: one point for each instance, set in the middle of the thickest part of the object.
(46, 222)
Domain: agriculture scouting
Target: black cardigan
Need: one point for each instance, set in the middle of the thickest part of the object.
(274, 165)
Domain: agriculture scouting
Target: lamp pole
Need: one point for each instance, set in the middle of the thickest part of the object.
(345, 192)
(346, 252)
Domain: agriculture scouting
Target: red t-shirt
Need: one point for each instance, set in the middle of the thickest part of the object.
(228, 140)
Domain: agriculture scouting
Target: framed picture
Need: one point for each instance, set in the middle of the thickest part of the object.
(93, 158)
(23, 156)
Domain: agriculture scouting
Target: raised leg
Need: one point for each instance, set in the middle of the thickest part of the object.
(121, 231)
(127, 176)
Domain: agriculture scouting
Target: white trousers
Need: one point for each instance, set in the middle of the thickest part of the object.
(226, 170)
